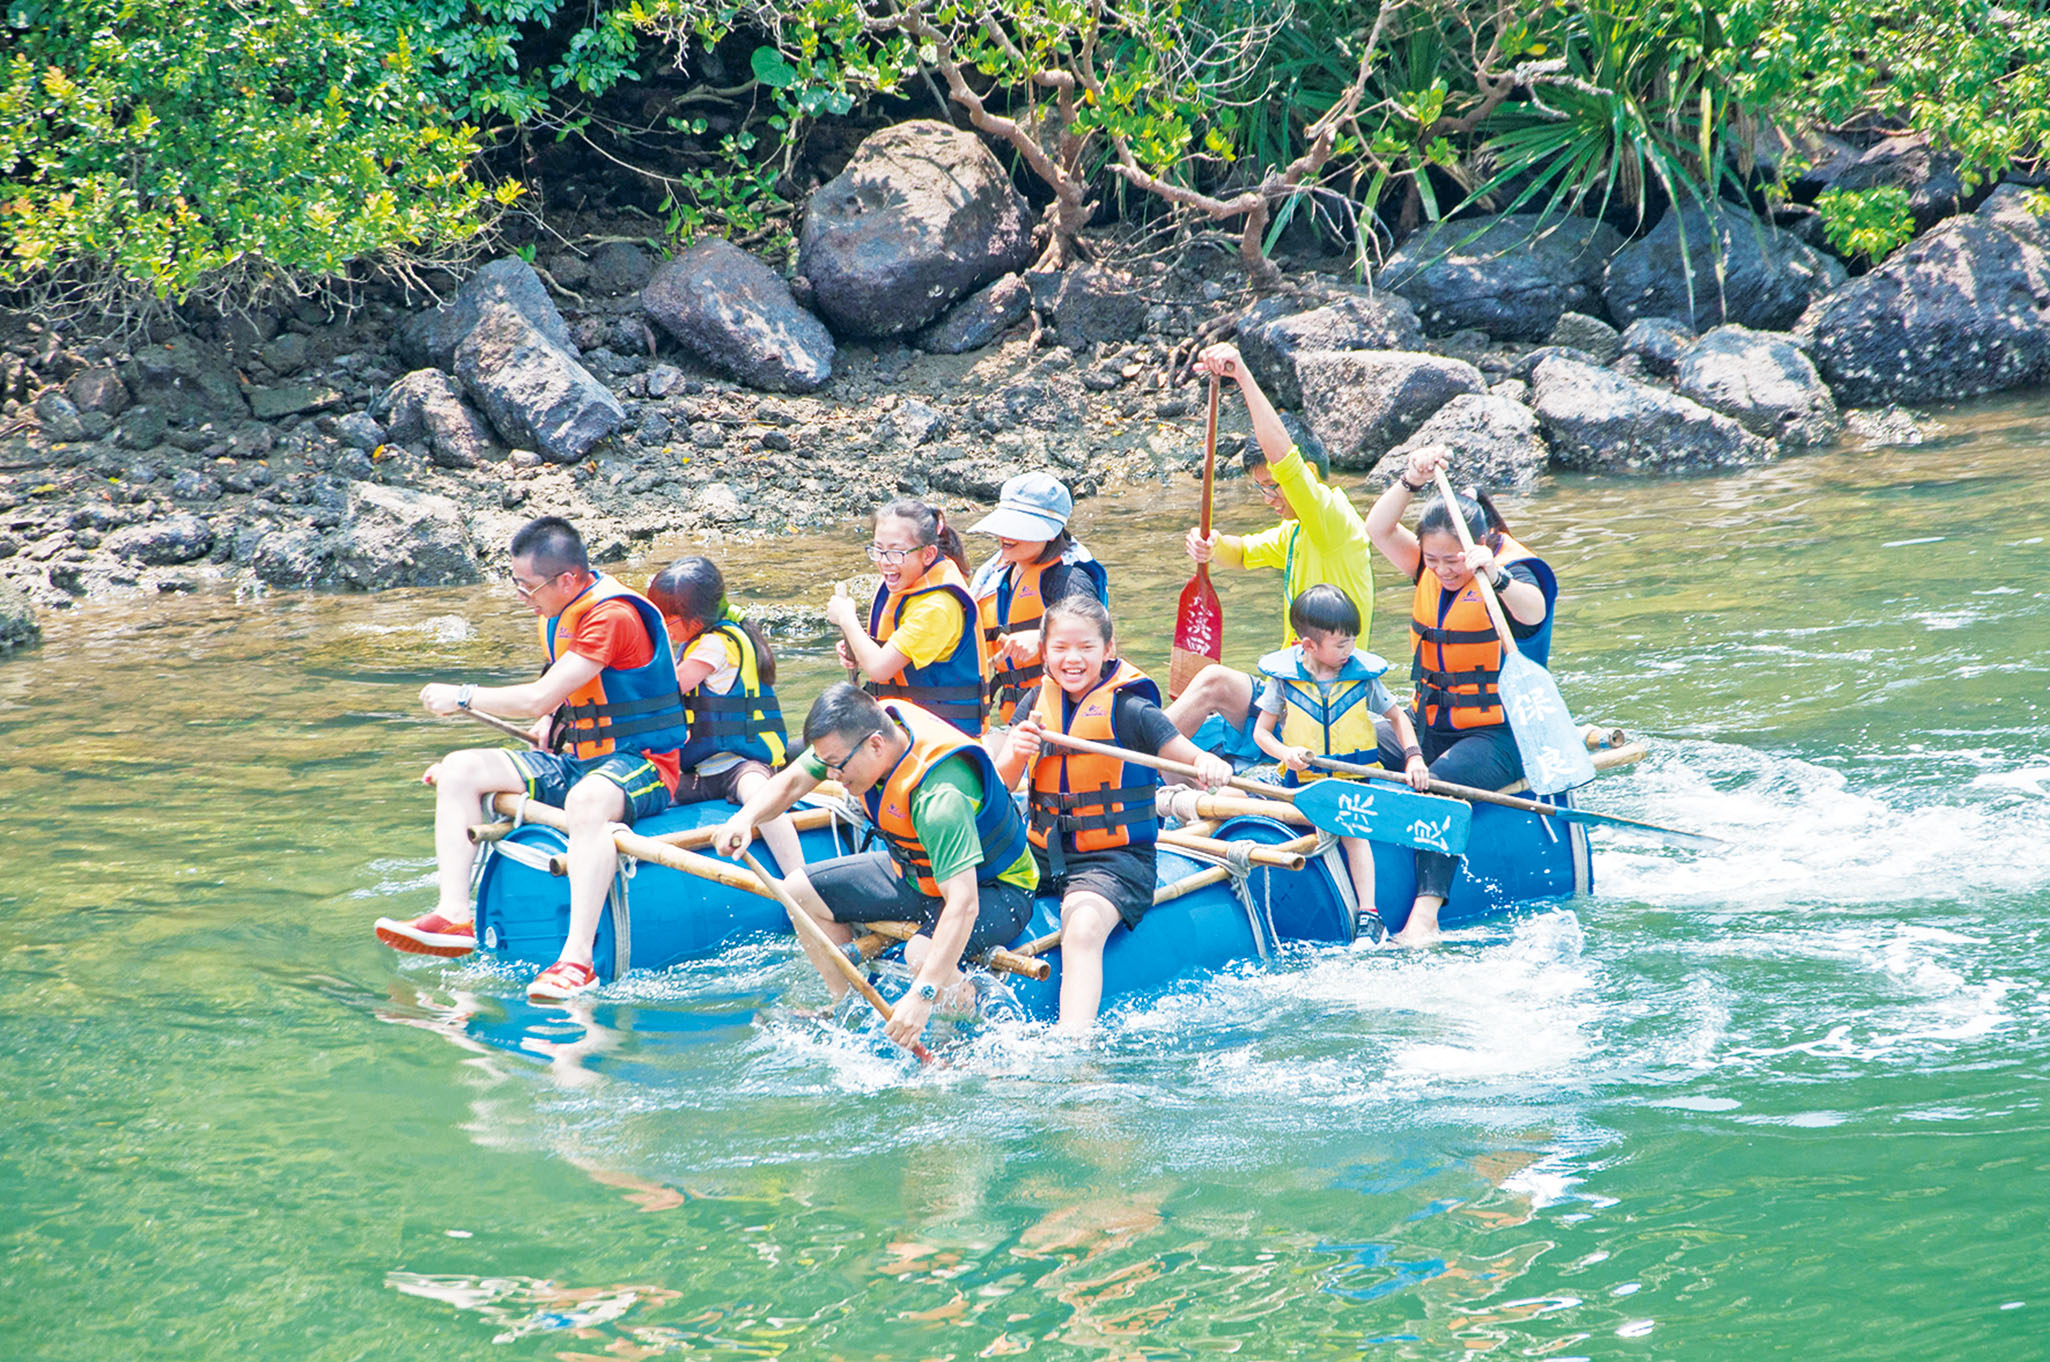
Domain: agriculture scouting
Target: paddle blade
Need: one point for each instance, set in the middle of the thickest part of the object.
(1198, 633)
(1554, 754)
(1386, 813)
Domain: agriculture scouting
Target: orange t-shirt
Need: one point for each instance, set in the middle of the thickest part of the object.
(611, 634)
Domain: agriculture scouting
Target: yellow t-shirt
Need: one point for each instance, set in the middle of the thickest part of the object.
(1326, 543)
(929, 630)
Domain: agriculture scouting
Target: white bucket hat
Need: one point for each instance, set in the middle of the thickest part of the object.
(1032, 506)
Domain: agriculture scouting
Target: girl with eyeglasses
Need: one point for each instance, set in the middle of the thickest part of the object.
(921, 641)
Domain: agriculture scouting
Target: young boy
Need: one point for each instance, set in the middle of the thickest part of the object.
(1322, 694)
(1092, 823)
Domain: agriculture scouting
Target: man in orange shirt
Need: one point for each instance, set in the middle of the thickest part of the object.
(610, 694)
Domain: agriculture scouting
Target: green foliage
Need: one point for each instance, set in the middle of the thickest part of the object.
(1866, 222)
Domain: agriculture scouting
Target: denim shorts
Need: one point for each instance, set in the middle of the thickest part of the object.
(550, 777)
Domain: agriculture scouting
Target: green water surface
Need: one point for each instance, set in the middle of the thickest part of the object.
(1786, 1100)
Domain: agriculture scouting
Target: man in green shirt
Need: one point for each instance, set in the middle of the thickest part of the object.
(957, 859)
(1321, 538)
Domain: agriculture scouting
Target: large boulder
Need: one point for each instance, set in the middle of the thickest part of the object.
(733, 312)
(393, 536)
(1962, 311)
(1512, 275)
(432, 338)
(1657, 342)
(1767, 276)
(537, 396)
(1763, 382)
(425, 407)
(1275, 330)
(979, 318)
(1495, 442)
(1930, 177)
(1361, 402)
(1601, 422)
(181, 538)
(923, 215)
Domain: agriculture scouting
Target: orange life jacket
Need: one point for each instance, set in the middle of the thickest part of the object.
(1081, 801)
(633, 709)
(955, 686)
(1457, 664)
(933, 740)
(1012, 600)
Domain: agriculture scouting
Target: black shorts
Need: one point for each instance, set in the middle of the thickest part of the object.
(696, 789)
(866, 887)
(1124, 875)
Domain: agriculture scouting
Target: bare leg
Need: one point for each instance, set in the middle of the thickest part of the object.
(593, 806)
(461, 779)
(1359, 861)
(1422, 927)
(1217, 689)
(1087, 921)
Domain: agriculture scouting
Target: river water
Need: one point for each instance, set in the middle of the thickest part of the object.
(1787, 1099)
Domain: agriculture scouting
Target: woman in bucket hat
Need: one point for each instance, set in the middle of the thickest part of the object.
(1036, 563)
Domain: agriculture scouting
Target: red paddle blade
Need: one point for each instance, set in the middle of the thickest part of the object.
(1198, 633)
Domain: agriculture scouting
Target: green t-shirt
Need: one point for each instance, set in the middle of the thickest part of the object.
(943, 815)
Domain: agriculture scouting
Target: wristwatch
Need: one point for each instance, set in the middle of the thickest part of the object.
(1500, 581)
(927, 992)
(465, 693)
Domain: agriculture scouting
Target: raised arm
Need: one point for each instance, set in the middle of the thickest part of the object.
(1384, 522)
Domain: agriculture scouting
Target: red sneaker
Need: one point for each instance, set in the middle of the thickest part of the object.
(563, 979)
(429, 935)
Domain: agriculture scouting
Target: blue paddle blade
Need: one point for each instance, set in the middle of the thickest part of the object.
(1386, 813)
(1554, 756)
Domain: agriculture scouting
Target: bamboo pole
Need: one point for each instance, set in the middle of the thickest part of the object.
(1189, 805)
(999, 959)
(1257, 853)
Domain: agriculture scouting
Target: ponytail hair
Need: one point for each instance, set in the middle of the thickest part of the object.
(929, 527)
(694, 590)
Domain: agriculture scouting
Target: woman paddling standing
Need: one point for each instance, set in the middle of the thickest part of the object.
(1456, 660)
(921, 641)
(1036, 563)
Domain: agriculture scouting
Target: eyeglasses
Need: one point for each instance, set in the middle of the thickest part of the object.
(891, 557)
(839, 768)
(1270, 490)
(526, 592)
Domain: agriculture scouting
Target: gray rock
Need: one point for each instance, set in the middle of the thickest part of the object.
(1963, 310)
(979, 318)
(1495, 442)
(619, 267)
(287, 354)
(392, 536)
(292, 558)
(922, 216)
(193, 485)
(1657, 342)
(18, 625)
(1768, 276)
(1762, 381)
(432, 338)
(98, 390)
(1808, 160)
(1527, 365)
(664, 380)
(358, 431)
(186, 381)
(1512, 275)
(1578, 331)
(735, 313)
(913, 423)
(1598, 421)
(58, 418)
(718, 503)
(293, 399)
(1907, 162)
(354, 465)
(1360, 403)
(1887, 427)
(532, 390)
(1088, 304)
(425, 407)
(142, 428)
(1275, 330)
(181, 538)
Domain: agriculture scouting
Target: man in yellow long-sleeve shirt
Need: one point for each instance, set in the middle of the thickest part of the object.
(1321, 538)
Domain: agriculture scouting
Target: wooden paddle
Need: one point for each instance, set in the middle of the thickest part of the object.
(1554, 754)
(505, 726)
(801, 922)
(1477, 795)
(1199, 624)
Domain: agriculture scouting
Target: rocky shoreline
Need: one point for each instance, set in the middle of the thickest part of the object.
(913, 350)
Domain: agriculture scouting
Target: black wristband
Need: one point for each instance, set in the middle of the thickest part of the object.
(1414, 489)
(1412, 751)
(1500, 581)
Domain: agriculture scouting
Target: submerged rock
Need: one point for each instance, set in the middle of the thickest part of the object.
(18, 625)
(922, 216)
